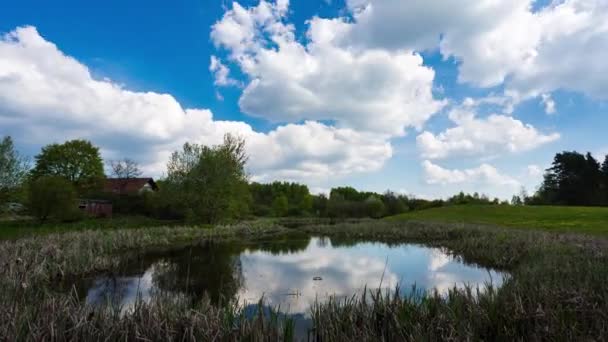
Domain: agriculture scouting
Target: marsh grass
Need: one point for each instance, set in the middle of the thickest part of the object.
(556, 289)
(167, 317)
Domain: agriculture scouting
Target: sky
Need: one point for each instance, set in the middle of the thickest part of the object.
(424, 98)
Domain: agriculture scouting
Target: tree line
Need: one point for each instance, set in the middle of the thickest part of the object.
(573, 179)
(209, 184)
(203, 184)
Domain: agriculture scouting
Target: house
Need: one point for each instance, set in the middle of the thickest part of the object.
(129, 186)
(96, 208)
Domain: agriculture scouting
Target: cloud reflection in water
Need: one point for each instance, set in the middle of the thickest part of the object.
(286, 278)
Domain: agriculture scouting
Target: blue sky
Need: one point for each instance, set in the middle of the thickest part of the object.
(418, 98)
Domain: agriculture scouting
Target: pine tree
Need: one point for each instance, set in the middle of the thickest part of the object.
(604, 183)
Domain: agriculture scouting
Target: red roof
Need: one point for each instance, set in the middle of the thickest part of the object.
(128, 185)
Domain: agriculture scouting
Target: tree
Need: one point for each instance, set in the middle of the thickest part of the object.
(592, 180)
(319, 205)
(78, 161)
(395, 204)
(13, 169)
(52, 196)
(604, 168)
(210, 183)
(125, 168)
(516, 200)
(280, 206)
(604, 171)
(572, 179)
(375, 207)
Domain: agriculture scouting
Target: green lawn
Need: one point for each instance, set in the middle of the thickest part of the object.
(566, 219)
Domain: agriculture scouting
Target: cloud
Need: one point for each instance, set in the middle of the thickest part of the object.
(47, 96)
(484, 174)
(548, 103)
(372, 90)
(535, 171)
(487, 136)
(532, 51)
(221, 73)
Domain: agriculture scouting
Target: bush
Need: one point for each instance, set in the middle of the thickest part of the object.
(280, 206)
(53, 196)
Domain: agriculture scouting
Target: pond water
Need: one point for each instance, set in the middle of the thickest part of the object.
(288, 273)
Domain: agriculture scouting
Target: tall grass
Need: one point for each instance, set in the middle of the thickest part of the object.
(557, 289)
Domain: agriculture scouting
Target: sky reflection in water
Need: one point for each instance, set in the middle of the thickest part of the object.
(283, 272)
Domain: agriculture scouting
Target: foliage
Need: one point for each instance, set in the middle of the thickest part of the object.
(280, 206)
(263, 196)
(52, 196)
(209, 184)
(374, 207)
(462, 198)
(573, 179)
(394, 203)
(604, 182)
(78, 161)
(125, 168)
(319, 205)
(13, 169)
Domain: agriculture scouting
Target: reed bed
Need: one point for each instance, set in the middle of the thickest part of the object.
(556, 289)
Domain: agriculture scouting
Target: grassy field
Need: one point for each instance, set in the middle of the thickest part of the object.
(14, 229)
(592, 220)
(557, 288)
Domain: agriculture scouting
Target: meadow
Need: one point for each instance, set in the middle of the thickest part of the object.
(591, 220)
(556, 289)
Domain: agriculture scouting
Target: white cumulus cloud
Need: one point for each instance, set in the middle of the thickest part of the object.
(532, 51)
(473, 136)
(484, 174)
(291, 80)
(47, 96)
(221, 73)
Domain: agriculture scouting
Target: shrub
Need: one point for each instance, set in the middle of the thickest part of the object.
(53, 196)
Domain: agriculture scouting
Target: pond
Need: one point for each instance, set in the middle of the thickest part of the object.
(288, 273)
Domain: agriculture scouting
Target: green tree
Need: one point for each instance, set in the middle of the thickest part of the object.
(592, 181)
(516, 200)
(375, 207)
(52, 196)
(210, 183)
(78, 161)
(280, 206)
(395, 204)
(572, 179)
(13, 169)
(319, 205)
(604, 171)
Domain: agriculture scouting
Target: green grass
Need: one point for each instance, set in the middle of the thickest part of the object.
(591, 220)
(14, 229)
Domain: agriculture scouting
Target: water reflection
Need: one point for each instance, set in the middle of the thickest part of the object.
(284, 272)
